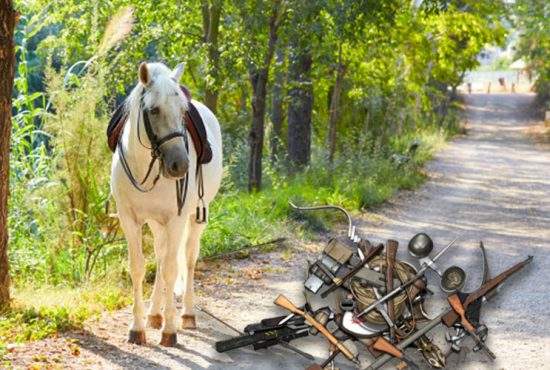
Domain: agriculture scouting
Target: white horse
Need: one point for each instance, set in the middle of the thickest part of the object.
(158, 98)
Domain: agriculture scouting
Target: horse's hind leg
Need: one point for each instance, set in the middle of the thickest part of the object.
(192, 248)
(132, 231)
(154, 318)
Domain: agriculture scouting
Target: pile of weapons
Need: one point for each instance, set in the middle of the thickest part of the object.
(379, 304)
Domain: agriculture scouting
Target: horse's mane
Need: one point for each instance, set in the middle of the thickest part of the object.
(161, 85)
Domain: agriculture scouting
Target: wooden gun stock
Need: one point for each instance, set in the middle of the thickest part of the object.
(452, 317)
(383, 345)
(457, 307)
(285, 303)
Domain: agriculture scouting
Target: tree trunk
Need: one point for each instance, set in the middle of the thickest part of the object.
(8, 19)
(300, 107)
(277, 108)
(211, 12)
(258, 78)
(334, 111)
(259, 82)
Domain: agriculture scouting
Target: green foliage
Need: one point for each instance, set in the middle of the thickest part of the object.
(534, 42)
(82, 167)
(399, 60)
(361, 180)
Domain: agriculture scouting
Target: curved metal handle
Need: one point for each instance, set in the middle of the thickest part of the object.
(351, 228)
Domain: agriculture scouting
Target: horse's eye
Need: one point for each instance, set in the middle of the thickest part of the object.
(154, 111)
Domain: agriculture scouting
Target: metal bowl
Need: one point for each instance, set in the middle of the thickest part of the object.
(453, 279)
(421, 245)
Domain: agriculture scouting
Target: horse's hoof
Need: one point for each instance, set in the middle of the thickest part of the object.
(169, 339)
(188, 322)
(137, 337)
(154, 321)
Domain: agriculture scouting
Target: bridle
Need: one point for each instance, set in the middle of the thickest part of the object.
(156, 154)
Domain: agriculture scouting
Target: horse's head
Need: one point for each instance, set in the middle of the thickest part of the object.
(163, 107)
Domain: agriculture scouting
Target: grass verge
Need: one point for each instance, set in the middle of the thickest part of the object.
(40, 313)
(240, 218)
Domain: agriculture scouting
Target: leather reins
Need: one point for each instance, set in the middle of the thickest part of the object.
(156, 154)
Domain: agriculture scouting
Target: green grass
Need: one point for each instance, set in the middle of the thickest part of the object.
(40, 313)
(239, 218)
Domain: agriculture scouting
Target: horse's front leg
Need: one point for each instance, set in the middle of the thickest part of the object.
(132, 231)
(169, 273)
(154, 318)
(192, 249)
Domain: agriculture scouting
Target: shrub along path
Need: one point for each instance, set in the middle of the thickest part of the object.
(492, 184)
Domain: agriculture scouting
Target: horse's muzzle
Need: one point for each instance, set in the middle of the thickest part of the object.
(176, 169)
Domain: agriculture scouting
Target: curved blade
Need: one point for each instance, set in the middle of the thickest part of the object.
(473, 312)
(486, 273)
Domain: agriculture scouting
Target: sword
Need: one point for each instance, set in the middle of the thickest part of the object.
(406, 284)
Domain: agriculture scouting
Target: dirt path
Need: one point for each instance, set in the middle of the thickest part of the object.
(493, 184)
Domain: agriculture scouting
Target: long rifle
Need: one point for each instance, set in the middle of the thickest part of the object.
(272, 341)
(457, 307)
(448, 315)
(284, 302)
(485, 289)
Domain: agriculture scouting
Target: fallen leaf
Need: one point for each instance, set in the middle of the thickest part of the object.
(10, 347)
(75, 349)
(253, 273)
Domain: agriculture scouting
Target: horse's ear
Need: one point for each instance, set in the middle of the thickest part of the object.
(144, 74)
(178, 71)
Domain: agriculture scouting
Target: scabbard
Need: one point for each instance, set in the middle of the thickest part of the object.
(382, 360)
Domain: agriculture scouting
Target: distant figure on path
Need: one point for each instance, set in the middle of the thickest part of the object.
(502, 83)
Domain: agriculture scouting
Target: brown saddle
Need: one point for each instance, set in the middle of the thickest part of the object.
(193, 123)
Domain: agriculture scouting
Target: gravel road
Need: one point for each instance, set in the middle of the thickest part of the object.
(492, 184)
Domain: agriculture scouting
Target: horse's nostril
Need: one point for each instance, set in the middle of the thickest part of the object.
(174, 167)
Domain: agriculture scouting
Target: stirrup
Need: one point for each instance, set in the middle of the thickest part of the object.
(201, 216)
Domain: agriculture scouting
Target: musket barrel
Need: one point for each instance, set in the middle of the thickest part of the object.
(380, 361)
(486, 288)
